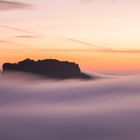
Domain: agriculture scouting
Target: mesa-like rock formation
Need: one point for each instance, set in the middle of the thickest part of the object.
(50, 68)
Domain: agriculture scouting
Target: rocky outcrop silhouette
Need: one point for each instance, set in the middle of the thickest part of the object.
(50, 68)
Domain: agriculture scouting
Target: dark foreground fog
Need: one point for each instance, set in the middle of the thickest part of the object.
(104, 109)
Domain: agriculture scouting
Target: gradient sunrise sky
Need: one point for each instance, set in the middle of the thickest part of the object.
(100, 35)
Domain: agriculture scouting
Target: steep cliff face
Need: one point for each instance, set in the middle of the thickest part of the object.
(50, 68)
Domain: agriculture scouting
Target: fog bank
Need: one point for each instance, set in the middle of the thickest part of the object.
(37, 109)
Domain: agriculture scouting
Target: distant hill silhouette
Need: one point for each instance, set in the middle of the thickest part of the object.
(50, 68)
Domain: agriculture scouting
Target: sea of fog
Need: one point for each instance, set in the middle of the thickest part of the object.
(32, 108)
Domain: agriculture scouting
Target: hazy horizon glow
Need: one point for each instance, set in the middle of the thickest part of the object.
(40, 29)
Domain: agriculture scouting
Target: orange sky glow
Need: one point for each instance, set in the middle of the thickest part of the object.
(102, 36)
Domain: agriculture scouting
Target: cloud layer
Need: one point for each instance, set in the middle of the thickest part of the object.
(12, 5)
(106, 109)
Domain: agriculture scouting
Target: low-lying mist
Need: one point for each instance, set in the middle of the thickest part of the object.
(38, 109)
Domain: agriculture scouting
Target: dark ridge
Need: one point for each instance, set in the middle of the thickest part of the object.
(50, 68)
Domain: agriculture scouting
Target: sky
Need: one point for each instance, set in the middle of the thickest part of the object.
(100, 35)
